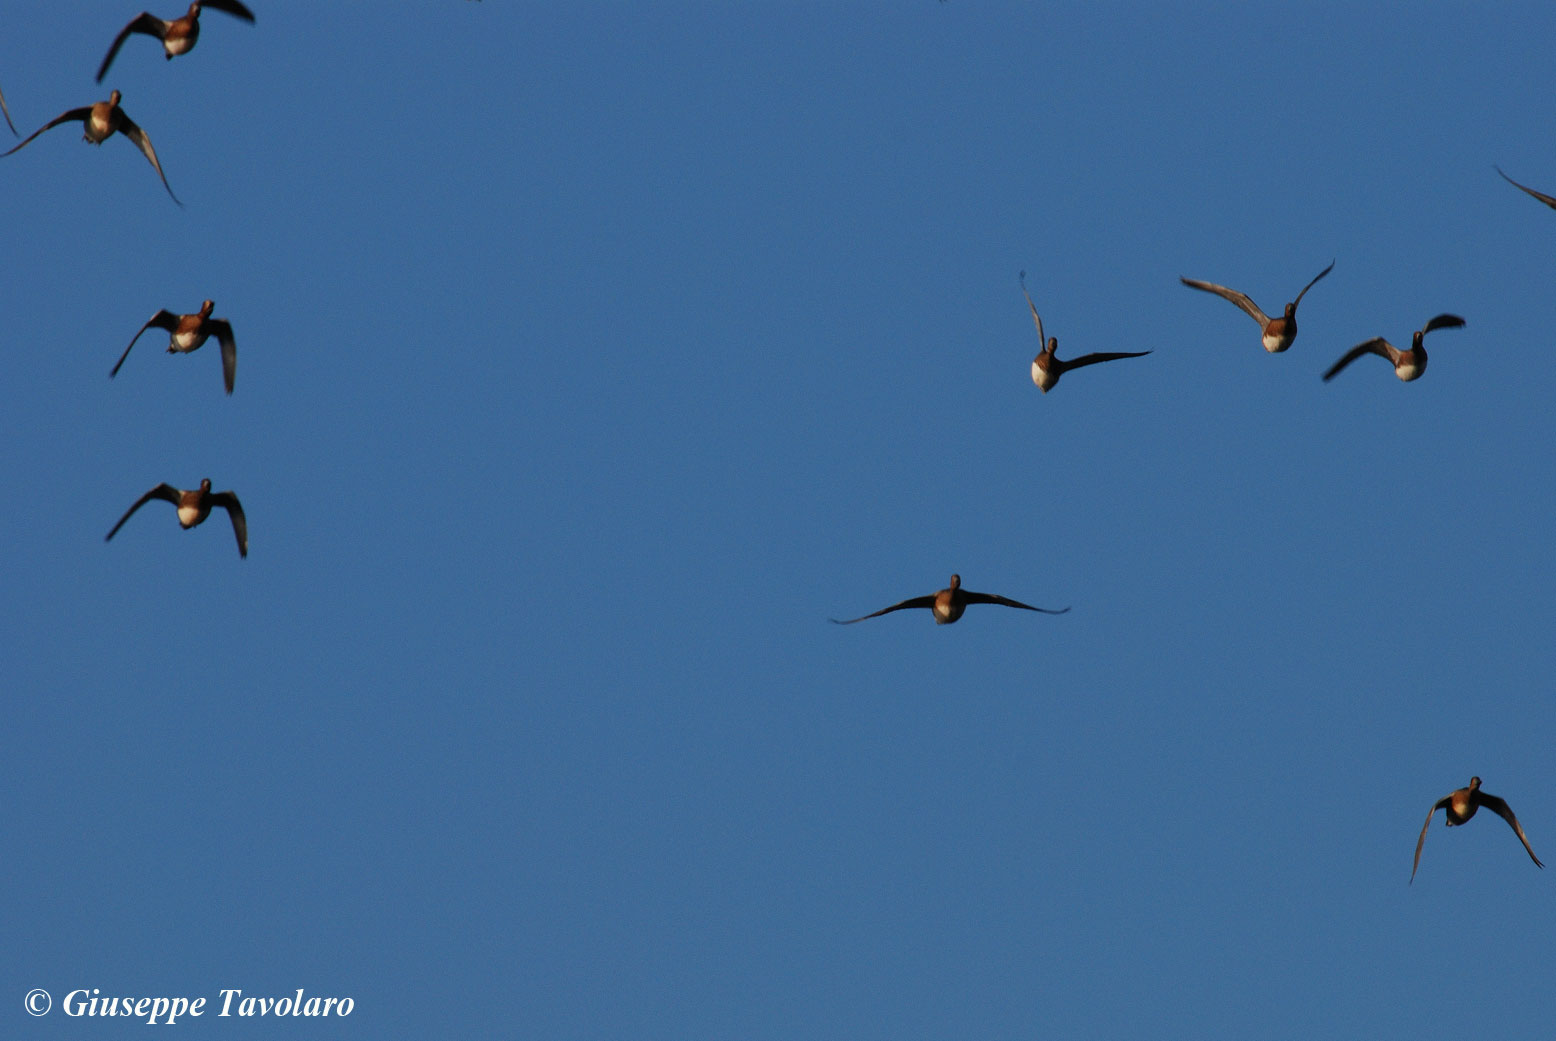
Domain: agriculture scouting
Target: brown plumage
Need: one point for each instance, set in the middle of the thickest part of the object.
(1461, 805)
(1278, 333)
(188, 332)
(178, 36)
(1408, 364)
(194, 505)
(101, 120)
(1046, 367)
(949, 603)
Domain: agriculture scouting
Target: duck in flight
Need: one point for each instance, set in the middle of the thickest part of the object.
(1279, 333)
(949, 603)
(178, 36)
(1046, 368)
(1548, 200)
(194, 506)
(189, 332)
(101, 120)
(1461, 806)
(1408, 365)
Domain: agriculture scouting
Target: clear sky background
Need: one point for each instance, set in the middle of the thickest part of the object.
(593, 354)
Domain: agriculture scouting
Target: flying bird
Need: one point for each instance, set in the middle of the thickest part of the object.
(1046, 368)
(101, 120)
(1279, 333)
(1548, 200)
(178, 36)
(949, 603)
(7, 112)
(188, 332)
(194, 506)
(1408, 365)
(1461, 806)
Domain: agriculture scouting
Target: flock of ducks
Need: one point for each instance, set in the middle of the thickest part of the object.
(186, 332)
(1277, 334)
(103, 119)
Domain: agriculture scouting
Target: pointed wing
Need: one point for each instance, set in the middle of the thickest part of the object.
(1092, 359)
(917, 601)
(1305, 288)
(7, 112)
(1042, 341)
(223, 330)
(1377, 345)
(145, 22)
(1501, 809)
(240, 524)
(1005, 601)
(162, 491)
(163, 319)
(1548, 200)
(78, 114)
(1444, 321)
(128, 128)
(1241, 300)
(1439, 804)
(231, 7)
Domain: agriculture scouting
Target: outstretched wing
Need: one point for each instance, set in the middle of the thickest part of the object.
(1439, 804)
(1377, 345)
(78, 114)
(128, 128)
(162, 491)
(223, 331)
(1305, 288)
(917, 601)
(145, 22)
(240, 525)
(1042, 341)
(1092, 359)
(7, 112)
(1443, 321)
(163, 319)
(1501, 809)
(1240, 299)
(1548, 200)
(1005, 601)
(231, 7)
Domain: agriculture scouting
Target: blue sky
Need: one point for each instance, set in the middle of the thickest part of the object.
(592, 355)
